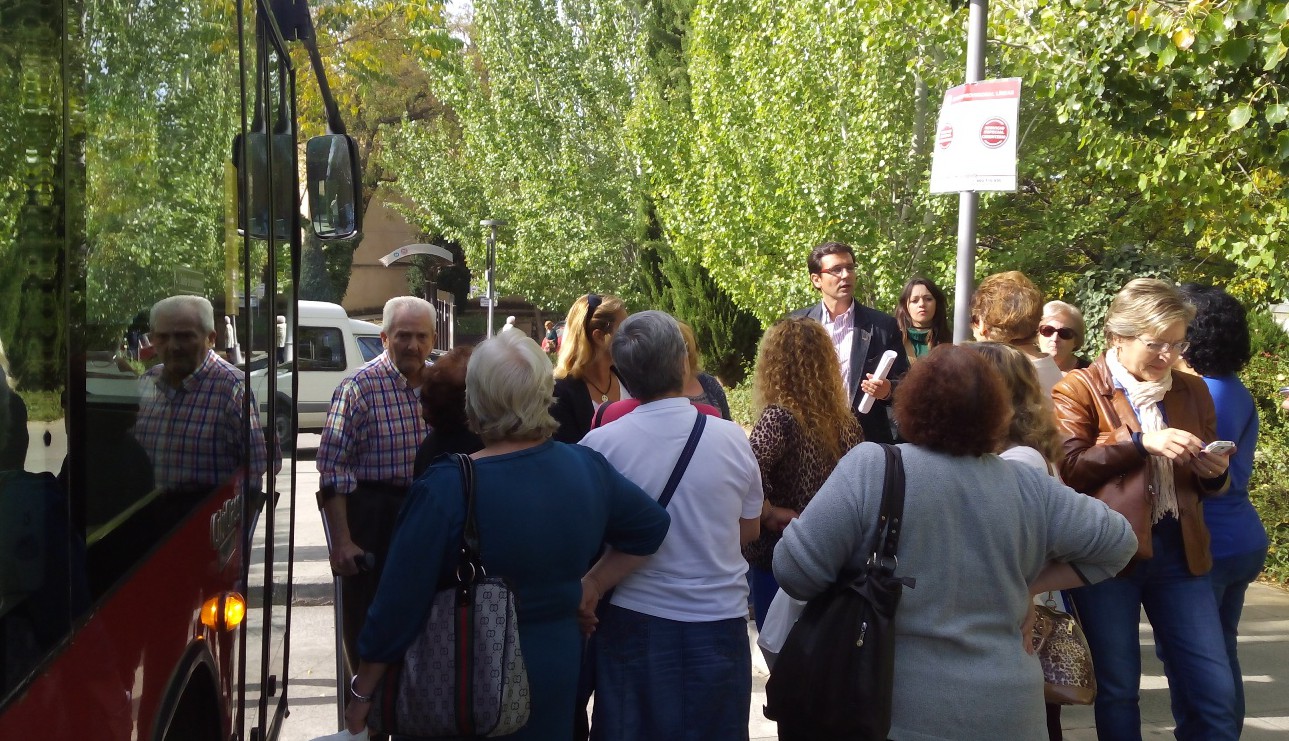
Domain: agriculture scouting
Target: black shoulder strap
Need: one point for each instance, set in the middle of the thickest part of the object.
(892, 512)
(683, 462)
(598, 418)
(470, 532)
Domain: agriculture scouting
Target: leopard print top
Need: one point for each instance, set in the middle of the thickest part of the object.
(793, 467)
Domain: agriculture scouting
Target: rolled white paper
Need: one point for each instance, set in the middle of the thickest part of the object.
(883, 367)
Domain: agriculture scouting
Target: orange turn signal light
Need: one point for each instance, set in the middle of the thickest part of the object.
(224, 611)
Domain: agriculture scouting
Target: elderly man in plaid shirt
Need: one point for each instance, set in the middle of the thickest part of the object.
(367, 453)
(192, 405)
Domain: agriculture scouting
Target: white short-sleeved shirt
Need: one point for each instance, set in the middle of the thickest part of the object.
(698, 573)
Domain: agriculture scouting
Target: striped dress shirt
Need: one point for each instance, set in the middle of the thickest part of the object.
(842, 333)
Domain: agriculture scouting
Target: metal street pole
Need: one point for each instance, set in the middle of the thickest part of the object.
(492, 224)
(969, 201)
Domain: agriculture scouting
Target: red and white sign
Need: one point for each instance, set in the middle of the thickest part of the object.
(944, 137)
(975, 145)
(994, 133)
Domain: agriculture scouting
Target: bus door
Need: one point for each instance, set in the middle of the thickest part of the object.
(264, 156)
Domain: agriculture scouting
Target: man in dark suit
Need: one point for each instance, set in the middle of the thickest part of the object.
(859, 334)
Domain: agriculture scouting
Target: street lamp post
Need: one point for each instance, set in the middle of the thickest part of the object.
(969, 200)
(492, 225)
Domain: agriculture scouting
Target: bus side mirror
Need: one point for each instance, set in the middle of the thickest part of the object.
(331, 165)
(253, 207)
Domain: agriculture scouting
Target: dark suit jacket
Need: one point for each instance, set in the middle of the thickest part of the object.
(875, 333)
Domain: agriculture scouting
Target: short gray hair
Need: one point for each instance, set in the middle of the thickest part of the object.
(509, 387)
(650, 354)
(414, 303)
(1146, 305)
(185, 304)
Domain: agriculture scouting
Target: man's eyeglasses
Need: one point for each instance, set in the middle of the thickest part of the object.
(593, 302)
(837, 271)
(1064, 333)
(1163, 348)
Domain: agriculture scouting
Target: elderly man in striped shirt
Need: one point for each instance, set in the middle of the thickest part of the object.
(192, 405)
(367, 453)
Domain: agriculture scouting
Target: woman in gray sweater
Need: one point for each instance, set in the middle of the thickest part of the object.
(980, 536)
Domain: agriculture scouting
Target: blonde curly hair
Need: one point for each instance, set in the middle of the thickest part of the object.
(1033, 420)
(796, 368)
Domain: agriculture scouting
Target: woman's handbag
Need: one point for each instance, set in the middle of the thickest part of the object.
(1063, 651)
(833, 677)
(464, 674)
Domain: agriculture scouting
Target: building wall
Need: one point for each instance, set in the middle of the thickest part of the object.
(372, 284)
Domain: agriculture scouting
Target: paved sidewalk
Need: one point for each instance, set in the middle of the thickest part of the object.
(1264, 651)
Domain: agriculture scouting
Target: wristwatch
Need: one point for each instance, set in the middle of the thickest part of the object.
(354, 691)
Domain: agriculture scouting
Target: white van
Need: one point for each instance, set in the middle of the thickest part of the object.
(327, 347)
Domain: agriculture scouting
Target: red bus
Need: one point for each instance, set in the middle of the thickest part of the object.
(150, 151)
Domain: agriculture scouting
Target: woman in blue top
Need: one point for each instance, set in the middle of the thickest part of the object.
(1219, 349)
(543, 510)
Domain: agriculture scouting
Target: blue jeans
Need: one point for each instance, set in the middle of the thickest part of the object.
(1230, 578)
(764, 587)
(1188, 634)
(659, 679)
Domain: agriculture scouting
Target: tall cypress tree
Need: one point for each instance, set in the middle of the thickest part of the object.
(727, 335)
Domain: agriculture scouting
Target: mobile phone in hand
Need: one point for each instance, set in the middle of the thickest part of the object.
(1219, 447)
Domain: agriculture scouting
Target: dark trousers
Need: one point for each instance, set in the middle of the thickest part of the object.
(372, 510)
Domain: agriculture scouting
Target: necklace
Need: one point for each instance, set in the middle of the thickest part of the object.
(604, 395)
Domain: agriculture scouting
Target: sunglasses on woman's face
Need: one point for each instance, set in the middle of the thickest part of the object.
(1064, 333)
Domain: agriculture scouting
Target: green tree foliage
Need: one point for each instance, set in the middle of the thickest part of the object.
(1168, 119)
(731, 136)
(162, 97)
(727, 335)
(372, 52)
(35, 186)
(1266, 373)
(539, 93)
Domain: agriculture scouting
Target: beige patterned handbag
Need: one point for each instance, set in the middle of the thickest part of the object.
(464, 674)
(1063, 651)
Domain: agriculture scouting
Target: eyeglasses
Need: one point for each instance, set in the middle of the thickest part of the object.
(1163, 348)
(593, 302)
(1064, 333)
(837, 271)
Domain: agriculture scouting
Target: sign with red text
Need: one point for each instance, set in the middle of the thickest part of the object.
(975, 138)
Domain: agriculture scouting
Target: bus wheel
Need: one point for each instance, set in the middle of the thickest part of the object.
(196, 718)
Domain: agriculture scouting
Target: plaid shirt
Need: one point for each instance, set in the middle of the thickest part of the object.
(373, 429)
(194, 434)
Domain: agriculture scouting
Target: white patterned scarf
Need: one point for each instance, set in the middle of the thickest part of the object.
(1145, 397)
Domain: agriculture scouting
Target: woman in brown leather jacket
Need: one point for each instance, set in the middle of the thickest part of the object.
(1134, 435)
